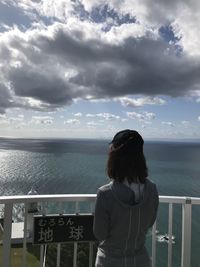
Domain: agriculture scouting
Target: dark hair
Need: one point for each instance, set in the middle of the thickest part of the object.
(126, 159)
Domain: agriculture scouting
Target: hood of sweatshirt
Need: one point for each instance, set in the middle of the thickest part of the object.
(124, 194)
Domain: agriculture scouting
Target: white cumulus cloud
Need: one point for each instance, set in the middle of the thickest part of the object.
(168, 123)
(78, 114)
(93, 123)
(105, 115)
(47, 120)
(72, 121)
(141, 101)
(145, 116)
(185, 123)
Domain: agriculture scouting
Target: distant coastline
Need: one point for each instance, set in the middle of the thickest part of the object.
(166, 140)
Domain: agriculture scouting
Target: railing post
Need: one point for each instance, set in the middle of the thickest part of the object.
(91, 245)
(186, 233)
(58, 255)
(75, 243)
(41, 255)
(7, 234)
(45, 256)
(25, 236)
(170, 235)
(153, 258)
(60, 211)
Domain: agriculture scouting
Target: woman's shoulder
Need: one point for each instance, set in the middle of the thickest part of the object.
(105, 187)
(150, 182)
(104, 192)
(151, 187)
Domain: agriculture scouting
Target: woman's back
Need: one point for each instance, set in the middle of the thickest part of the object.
(120, 223)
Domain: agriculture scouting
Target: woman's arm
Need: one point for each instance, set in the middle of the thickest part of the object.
(101, 217)
(156, 203)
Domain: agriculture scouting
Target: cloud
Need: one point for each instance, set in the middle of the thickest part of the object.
(12, 121)
(21, 116)
(72, 121)
(90, 115)
(21, 125)
(93, 123)
(5, 98)
(199, 118)
(145, 116)
(15, 119)
(4, 123)
(185, 123)
(4, 120)
(78, 114)
(106, 116)
(141, 101)
(50, 64)
(51, 9)
(196, 95)
(47, 120)
(2, 116)
(168, 123)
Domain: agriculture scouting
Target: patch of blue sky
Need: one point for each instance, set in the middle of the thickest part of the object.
(167, 34)
(102, 13)
(176, 110)
(86, 107)
(11, 15)
(80, 11)
(49, 20)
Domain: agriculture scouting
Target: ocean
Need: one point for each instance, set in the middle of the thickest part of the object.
(61, 166)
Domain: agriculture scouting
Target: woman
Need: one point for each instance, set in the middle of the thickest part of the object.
(126, 207)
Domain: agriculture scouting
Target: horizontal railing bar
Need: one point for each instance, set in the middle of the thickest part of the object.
(172, 199)
(179, 200)
(85, 197)
(53, 198)
(195, 200)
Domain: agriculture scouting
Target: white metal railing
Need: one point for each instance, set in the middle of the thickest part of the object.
(9, 201)
(186, 203)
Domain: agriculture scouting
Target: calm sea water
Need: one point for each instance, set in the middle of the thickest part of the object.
(78, 166)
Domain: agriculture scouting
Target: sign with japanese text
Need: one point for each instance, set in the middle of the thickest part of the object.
(63, 228)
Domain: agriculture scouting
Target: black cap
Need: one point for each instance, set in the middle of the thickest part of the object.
(126, 136)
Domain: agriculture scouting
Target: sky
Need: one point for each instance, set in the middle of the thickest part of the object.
(87, 69)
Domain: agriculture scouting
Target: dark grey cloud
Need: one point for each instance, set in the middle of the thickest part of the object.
(5, 98)
(71, 47)
(137, 66)
(38, 84)
(39, 63)
(142, 66)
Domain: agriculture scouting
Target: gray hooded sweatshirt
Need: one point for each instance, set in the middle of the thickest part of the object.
(121, 224)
